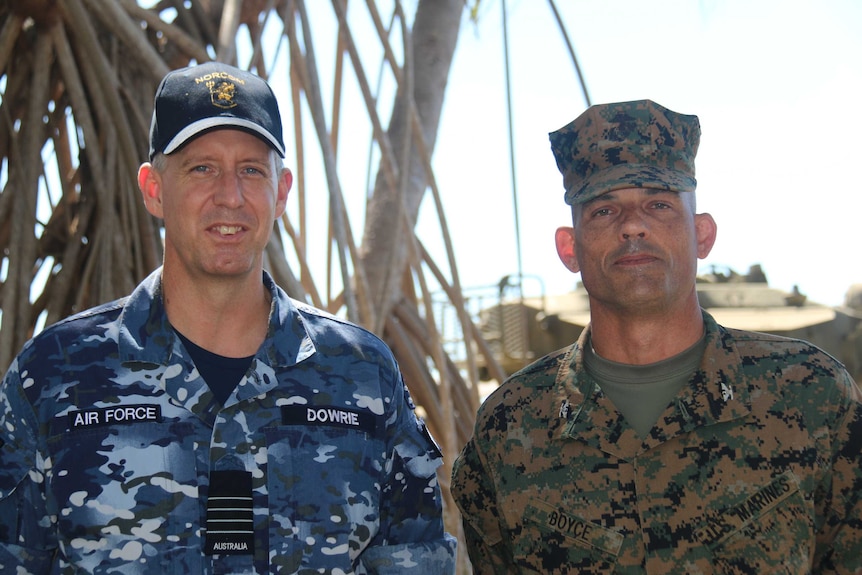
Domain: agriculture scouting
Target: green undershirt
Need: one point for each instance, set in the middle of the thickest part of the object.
(642, 392)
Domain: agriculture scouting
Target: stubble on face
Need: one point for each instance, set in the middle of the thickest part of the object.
(638, 256)
(221, 198)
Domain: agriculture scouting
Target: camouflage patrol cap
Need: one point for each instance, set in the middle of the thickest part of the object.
(637, 144)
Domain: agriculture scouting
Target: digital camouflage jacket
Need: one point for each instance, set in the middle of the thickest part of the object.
(755, 467)
(114, 457)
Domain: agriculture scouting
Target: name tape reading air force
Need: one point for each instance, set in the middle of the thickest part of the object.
(115, 415)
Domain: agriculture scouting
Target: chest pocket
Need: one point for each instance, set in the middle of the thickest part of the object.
(555, 540)
(112, 484)
(769, 532)
(324, 480)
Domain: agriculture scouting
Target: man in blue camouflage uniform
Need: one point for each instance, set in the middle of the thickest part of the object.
(660, 442)
(208, 423)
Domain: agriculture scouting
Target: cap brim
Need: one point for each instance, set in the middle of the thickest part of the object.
(629, 176)
(197, 128)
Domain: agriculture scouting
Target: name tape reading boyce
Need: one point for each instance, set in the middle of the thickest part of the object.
(328, 416)
(574, 528)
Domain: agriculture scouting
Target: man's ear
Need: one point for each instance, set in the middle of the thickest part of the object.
(565, 239)
(285, 181)
(706, 230)
(150, 184)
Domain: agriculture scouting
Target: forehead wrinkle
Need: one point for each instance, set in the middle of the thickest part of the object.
(579, 207)
(612, 195)
(212, 153)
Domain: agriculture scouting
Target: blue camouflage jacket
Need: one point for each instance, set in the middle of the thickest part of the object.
(115, 457)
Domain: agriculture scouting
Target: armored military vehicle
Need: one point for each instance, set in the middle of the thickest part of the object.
(521, 329)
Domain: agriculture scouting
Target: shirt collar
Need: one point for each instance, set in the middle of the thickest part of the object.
(713, 395)
(146, 335)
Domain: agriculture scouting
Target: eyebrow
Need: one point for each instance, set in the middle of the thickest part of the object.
(611, 195)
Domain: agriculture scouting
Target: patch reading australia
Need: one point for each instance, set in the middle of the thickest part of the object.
(734, 518)
(328, 416)
(230, 517)
(115, 415)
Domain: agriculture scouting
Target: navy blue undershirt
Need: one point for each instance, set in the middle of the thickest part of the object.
(222, 374)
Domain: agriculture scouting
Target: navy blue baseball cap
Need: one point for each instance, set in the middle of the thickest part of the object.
(197, 99)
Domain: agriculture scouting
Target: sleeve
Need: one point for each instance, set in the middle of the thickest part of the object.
(840, 536)
(27, 544)
(474, 493)
(411, 538)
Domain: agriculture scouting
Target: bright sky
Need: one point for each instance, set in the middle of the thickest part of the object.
(777, 85)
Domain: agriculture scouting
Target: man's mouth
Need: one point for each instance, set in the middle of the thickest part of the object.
(635, 253)
(635, 259)
(228, 230)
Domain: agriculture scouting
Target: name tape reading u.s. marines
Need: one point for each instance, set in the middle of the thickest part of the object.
(328, 416)
(735, 518)
(115, 415)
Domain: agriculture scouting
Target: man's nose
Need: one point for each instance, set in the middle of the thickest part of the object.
(229, 191)
(633, 225)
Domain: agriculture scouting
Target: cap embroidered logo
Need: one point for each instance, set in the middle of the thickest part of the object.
(222, 94)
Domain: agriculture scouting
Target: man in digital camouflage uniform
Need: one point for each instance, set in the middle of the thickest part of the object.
(208, 423)
(660, 442)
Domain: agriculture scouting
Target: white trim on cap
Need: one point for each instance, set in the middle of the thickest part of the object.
(196, 128)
